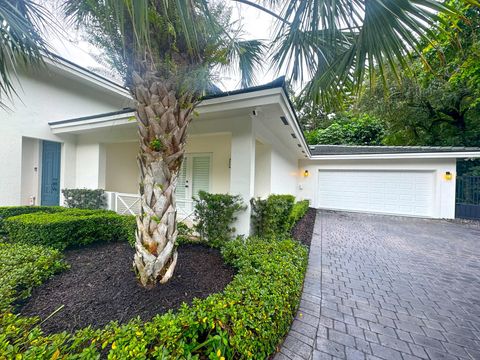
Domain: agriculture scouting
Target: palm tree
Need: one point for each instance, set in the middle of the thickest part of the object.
(167, 51)
(21, 43)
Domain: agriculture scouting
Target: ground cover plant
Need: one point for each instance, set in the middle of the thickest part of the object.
(24, 266)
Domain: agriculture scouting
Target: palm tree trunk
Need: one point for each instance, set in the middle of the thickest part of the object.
(162, 123)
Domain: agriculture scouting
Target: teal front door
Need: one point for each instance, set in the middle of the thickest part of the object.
(50, 189)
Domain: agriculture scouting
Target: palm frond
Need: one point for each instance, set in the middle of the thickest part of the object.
(21, 43)
(375, 35)
(246, 57)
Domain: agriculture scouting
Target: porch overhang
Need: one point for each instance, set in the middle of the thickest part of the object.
(219, 106)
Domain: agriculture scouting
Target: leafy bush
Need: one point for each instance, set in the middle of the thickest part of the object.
(349, 130)
(23, 266)
(270, 217)
(246, 321)
(85, 198)
(214, 215)
(9, 211)
(299, 210)
(68, 228)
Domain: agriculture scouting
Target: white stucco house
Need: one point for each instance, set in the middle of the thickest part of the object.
(72, 128)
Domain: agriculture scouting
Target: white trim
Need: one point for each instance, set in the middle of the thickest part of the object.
(100, 122)
(292, 121)
(86, 75)
(414, 155)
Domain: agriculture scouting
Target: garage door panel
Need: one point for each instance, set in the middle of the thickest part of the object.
(393, 192)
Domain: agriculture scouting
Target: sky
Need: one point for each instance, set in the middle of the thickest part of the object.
(255, 24)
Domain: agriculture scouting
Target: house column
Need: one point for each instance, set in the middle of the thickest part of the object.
(242, 170)
(91, 166)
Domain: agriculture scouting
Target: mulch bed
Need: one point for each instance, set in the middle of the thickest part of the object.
(303, 229)
(100, 286)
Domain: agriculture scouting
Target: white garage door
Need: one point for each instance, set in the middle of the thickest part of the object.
(390, 192)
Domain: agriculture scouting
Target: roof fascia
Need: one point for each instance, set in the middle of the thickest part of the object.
(85, 74)
(433, 155)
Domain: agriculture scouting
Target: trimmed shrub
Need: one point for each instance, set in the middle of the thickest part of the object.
(9, 211)
(85, 198)
(299, 210)
(246, 321)
(23, 266)
(270, 217)
(214, 216)
(69, 228)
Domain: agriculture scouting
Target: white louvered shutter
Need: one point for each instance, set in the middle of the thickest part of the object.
(181, 190)
(200, 174)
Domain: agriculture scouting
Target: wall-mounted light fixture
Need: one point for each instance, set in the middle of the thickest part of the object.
(448, 176)
(306, 173)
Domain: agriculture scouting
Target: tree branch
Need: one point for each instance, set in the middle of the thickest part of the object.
(259, 7)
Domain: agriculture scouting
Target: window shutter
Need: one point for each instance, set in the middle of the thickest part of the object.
(181, 190)
(200, 174)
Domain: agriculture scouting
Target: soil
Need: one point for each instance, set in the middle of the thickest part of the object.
(303, 229)
(100, 287)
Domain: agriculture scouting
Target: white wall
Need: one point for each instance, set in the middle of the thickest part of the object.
(444, 189)
(30, 170)
(122, 170)
(90, 166)
(44, 97)
(283, 161)
(122, 174)
(263, 171)
(219, 146)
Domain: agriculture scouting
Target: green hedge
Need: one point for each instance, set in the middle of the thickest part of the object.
(214, 216)
(9, 211)
(69, 228)
(270, 217)
(85, 198)
(246, 321)
(299, 210)
(23, 266)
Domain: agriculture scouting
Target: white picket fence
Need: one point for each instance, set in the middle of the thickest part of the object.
(129, 204)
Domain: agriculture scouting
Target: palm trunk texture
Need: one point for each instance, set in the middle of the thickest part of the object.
(162, 123)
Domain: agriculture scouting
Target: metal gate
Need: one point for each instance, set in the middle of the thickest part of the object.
(468, 197)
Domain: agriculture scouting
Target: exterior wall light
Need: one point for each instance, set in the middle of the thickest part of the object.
(306, 173)
(448, 176)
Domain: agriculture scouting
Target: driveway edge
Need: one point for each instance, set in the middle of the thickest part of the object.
(300, 341)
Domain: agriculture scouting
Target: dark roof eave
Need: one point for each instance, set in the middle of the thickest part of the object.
(339, 150)
(91, 117)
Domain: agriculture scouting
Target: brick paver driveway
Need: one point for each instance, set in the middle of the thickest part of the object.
(391, 288)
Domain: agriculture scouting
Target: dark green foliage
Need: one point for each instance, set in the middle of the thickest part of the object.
(438, 105)
(299, 210)
(85, 198)
(348, 129)
(9, 211)
(270, 217)
(185, 234)
(214, 216)
(246, 321)
(23, 266)
(69, 228)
